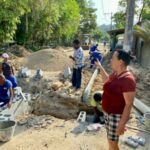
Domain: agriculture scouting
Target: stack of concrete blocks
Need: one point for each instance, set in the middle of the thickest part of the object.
(24, 73)
(82, 117)
(19, 106)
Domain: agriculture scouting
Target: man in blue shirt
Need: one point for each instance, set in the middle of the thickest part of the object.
(94, 57)
(78, 64)
(93, 48)
(6, 93)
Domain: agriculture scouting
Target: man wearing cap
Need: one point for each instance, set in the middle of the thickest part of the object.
(7, 70)
(6, 93)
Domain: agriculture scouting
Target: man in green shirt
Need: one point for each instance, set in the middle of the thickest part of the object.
(96, 104)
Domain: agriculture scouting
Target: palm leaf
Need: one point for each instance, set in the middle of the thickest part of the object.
(143, 31)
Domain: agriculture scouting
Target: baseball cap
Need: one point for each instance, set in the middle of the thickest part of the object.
(5, 55)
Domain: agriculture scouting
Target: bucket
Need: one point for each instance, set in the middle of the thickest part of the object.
(7, 129)
(147, 120)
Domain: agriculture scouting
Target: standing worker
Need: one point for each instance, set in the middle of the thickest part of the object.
(104, 44)
(78, 65)
(117, 100)
(6, 93)
(8, 71)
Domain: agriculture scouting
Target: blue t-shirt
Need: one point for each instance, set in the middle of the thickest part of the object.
(4, 89)
(93, 48)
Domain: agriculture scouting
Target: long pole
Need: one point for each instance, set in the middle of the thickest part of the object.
(128, 37)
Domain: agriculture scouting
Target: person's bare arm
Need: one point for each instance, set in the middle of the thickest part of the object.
(13, 69)
(103, 73)
(72, 57)
(129, 98)
(1, 70)
(11, 97)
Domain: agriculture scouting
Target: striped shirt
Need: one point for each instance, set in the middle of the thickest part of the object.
(78, 57)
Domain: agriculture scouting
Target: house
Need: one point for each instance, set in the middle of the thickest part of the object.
(140, 48)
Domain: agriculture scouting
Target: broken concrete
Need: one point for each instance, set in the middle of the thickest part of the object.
(24, 73)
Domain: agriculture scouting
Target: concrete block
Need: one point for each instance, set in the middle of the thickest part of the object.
(24, 73)
(67, 72)
(38, 75)
(82, 117)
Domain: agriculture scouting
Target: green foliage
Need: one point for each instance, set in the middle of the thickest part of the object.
(119, 18)
(37, 22)
(49, 20)
(144, 13)
(88, 17)
(10, 12)
(99, 35)
(143, 31)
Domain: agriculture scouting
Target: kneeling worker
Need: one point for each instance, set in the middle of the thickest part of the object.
(96, 104)
(6, 92)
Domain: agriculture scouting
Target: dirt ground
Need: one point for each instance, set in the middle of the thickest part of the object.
(57, 135)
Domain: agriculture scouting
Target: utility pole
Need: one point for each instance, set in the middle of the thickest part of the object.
(128, 36)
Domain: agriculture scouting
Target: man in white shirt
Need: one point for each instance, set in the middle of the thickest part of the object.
(78, 64)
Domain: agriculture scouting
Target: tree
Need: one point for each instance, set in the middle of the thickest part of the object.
(49, 20)
(99, 35)
(119, 19)
(87, 17)
(10, 12)
(143, 13)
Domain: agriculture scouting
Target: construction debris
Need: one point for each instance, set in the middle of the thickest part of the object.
(67, 73)
(24, 73)
(38, 75)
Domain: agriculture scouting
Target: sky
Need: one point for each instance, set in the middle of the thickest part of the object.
(105, 6)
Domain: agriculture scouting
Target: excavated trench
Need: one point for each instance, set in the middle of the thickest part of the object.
(58, 102)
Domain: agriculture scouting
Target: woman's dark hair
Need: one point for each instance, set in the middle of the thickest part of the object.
(97, 97)
(76, 42)
(124, 56)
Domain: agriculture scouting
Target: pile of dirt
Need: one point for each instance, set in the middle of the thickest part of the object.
(142, 76)
(47, 60)
(19, 51)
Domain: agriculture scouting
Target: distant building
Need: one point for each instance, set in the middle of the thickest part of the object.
(140, 48)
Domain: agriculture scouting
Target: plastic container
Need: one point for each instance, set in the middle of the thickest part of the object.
(7, 129)
(130, 142)
(147, 120)
(138, 139)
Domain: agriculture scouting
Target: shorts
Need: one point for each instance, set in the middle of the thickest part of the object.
(13, 80)
(111, 124)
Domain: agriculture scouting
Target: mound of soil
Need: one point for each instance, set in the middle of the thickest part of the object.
(47, 60)
(19, 51)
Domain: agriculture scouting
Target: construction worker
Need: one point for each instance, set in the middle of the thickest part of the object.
(7, 70)
(93, 48)
(6, 92)
(78, 65)
(96, 104)
(96, 55)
